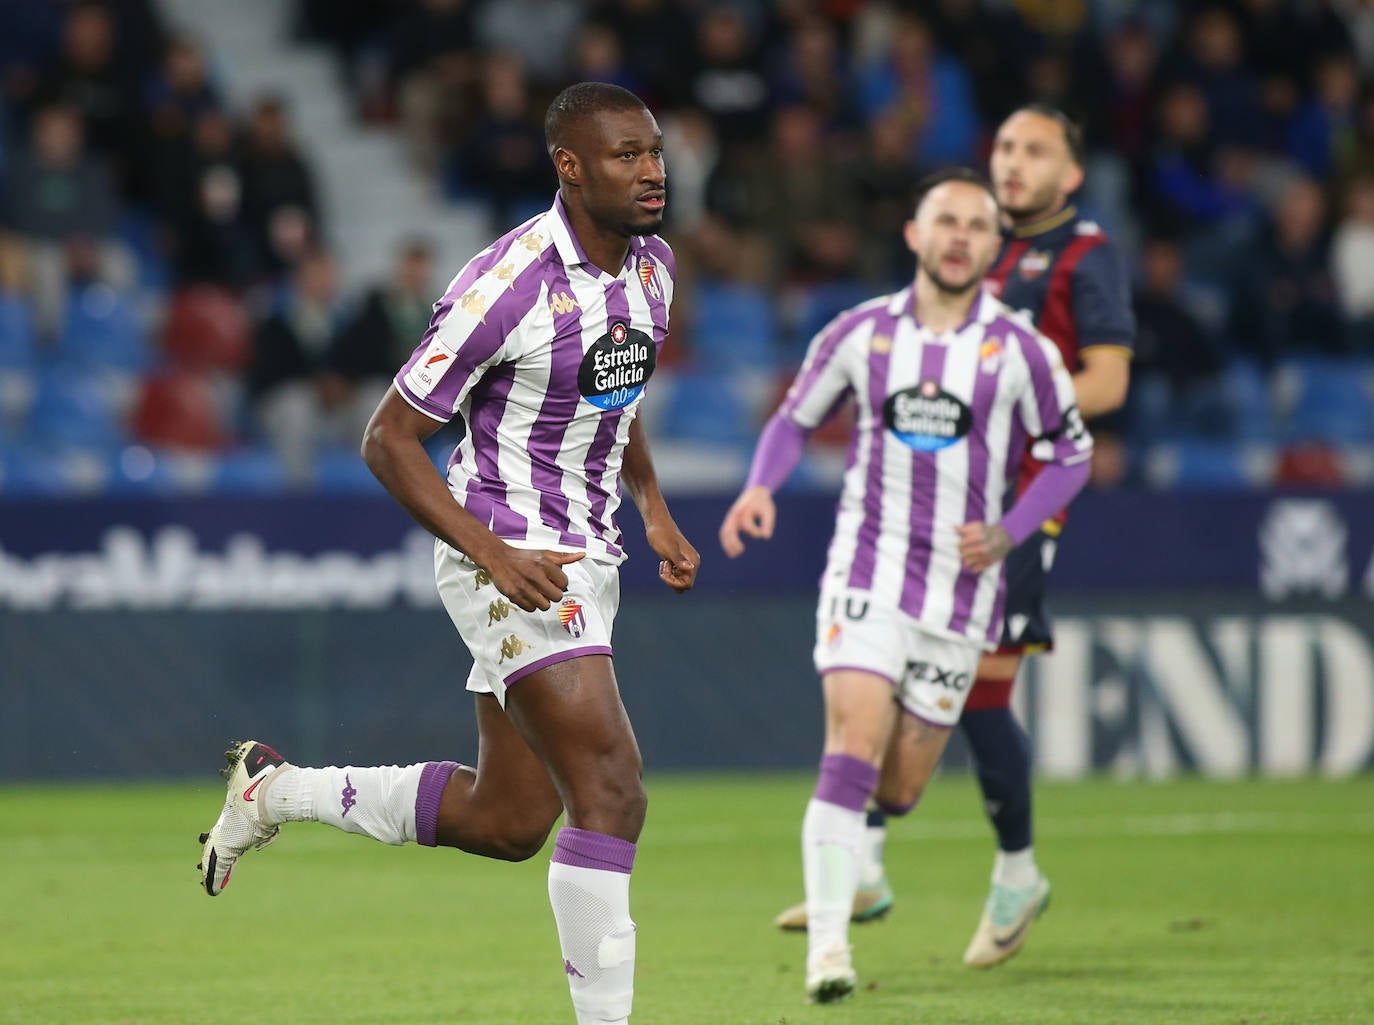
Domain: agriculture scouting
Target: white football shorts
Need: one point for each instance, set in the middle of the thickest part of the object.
(508, 643)
(931, 673)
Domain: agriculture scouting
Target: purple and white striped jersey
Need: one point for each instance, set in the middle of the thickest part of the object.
(942, 421)
(545, 357)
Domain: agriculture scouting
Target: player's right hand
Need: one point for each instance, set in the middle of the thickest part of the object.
(753, 514)
(532, 579)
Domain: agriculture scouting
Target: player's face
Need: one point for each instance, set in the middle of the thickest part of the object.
(954, 236)
(624, 176)
(1032, 168)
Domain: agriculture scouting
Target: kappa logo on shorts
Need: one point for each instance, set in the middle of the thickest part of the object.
(512, 647)
(497, 611)
(572, 617)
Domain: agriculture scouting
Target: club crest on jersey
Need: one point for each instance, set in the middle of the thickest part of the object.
(648, 275)
(616, 367)
(927, 418)
(1033, 264)
(990, 356)
(572, 617)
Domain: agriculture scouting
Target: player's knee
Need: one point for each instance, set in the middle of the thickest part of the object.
(522, 843)
(898, 797)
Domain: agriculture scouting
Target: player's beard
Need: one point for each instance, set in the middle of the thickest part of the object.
(950, 289)
(1037, 206)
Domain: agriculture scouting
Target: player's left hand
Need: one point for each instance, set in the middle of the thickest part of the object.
(680, 560)
(981, 546)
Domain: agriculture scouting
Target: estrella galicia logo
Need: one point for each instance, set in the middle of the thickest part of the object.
(616, 367)
(926, 417)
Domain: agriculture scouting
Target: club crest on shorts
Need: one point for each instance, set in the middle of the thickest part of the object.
(648, 275)
(572, 617)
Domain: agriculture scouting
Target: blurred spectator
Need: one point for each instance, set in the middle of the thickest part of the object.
(811, 70)
(598, 57)
(379, 337)
(541, 32)
(801, 196)
(502, 158)
(90, 75)
(1171, 344)
(431, 74)
(930, 88)
(1184, 189)
(724, 79)
(1213, 62)
(1324, 128)
(56, 192)
(693, 154)
(278, 187)
(179, 92)
(291, 347)
(1358, 17)
(886, 189)
(1352, 262)
(652, 35)
(211, 239)
(1284, 300)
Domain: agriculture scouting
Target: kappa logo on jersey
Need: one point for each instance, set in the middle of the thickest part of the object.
(617, 366)
(880, 344)
(1033, 264)
(926, 417)
(648, 275)
(562, 302)
(572, 617)
(475, 303)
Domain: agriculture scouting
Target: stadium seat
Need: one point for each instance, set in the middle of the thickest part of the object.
(71, 408)
(248, 471)
(703, 406)
(207, 328)
(179, 409)
(342, 471)
(1329, 400)
(18, 338)
(821, 304)
(734, 326)
(1208, 465)
(100, 328)
(1249, 400)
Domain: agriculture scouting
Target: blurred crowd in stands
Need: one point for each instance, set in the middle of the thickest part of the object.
(171, 314)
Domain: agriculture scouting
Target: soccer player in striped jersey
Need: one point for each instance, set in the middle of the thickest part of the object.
(1062, 272)
(949, 386)
(543, 345)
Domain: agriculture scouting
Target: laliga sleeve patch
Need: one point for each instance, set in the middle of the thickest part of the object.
(927, 418)
(616, 367)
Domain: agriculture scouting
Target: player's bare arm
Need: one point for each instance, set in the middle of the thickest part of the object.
(1100, 386)
(678, 568)
(393, 450)
(981, 545)
(754, 514)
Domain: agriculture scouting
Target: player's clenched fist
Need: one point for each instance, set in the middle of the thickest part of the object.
(753, 514)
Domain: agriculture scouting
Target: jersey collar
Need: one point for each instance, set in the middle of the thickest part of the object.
(983, 310)
(1045, 224)
(570, 250)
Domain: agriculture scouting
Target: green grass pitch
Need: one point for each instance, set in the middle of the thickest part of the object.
(1195, 902)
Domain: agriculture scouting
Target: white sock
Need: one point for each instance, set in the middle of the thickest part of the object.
(871, 871)
(831, 840)
(1015, 869)
(375, 801)
(589, 889)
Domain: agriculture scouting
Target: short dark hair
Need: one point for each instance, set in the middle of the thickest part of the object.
(580, 101)
(1073, 131)
(932, 181)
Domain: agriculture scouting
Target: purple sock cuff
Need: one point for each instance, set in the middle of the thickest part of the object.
(585, 849)
(846, 781)
(895, 810)
(433, 778)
